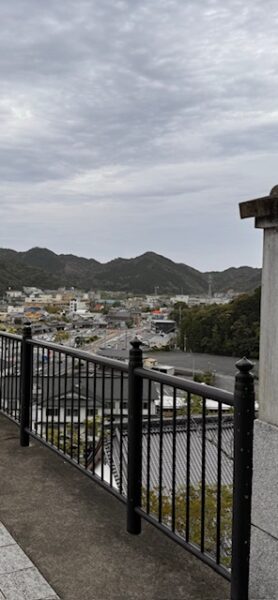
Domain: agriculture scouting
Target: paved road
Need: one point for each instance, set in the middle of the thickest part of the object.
(224, 365)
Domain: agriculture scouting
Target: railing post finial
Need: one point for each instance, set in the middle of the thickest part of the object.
(244, 365)
(135, 343)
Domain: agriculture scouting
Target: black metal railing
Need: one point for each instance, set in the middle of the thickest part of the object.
(10, 374)
(179, 453)
(77, 401)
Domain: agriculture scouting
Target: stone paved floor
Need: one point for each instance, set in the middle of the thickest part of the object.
(19, 578)
(75, 534)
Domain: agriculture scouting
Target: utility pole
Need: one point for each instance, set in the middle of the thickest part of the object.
(210, 285)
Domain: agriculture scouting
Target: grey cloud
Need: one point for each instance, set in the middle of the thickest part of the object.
(136, 103)
(262, 137)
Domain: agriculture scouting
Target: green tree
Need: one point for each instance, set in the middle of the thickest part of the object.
(91, 428)
(206, 377)
(61, 336)
(231, 329)
(195, 503)
(52, 309)
(67, 441)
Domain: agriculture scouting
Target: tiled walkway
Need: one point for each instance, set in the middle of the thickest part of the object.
(19, 578)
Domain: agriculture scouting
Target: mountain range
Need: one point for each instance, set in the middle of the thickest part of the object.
(43, 268)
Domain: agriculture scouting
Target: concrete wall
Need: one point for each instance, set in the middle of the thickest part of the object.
(264, 531)
(264, 535)
(268, 390)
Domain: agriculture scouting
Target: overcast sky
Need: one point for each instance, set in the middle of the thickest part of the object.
(137, 125)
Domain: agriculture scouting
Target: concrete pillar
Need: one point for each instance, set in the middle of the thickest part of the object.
(264, 530)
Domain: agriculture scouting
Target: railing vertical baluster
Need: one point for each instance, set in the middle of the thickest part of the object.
(8, 379)
(26, 377)
(1, 375)
(6, 395)
(43, 392)
(244, 412)
(17, 379)
(174, 459)
(218, 493)
(94, 415)
(121, 431)
(65, 429)
(149, 445)
(12, 384)
(79, 411)
(86, 416)
(111, 426)
(6, 404)
(135, 392)
(203, 481)
(11, 376)
(32, 391)
(160, 468)
(53, 398)
(37, 385)
(59, 401)
(47, 392)
(188, 449)
(72, 405)
(102, 420)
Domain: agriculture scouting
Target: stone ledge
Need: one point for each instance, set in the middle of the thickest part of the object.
(19, 578)
(265, 478)
(264, 207)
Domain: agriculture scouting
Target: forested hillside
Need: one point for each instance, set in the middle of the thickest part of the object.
(141, 275)
(232, 329)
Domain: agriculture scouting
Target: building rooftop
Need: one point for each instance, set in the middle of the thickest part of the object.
(153, 436)
(75, 534)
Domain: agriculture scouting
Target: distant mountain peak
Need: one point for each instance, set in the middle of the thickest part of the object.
(44, 268)
(40, 250)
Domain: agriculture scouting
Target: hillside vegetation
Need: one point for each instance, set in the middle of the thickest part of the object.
(43, 268)
(232, 329)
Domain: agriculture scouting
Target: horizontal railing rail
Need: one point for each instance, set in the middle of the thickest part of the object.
(200, 389)
(80, 354)
(11, 336)
(177, 452)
